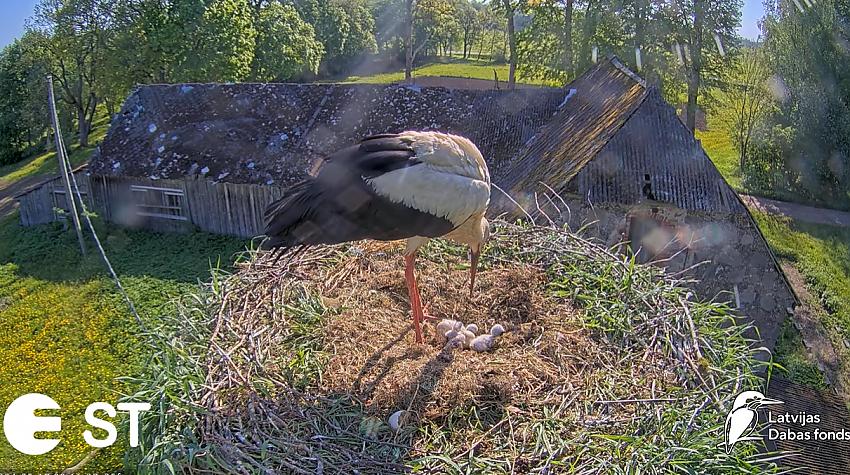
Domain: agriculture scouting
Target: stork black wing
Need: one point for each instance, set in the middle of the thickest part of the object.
(338, 205)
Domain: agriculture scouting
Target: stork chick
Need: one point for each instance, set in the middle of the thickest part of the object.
(482, 343)
(412, 185)
(446, 324)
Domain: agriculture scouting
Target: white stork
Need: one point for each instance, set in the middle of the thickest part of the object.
(413, 185)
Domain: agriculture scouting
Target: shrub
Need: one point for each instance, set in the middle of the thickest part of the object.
(764, 167)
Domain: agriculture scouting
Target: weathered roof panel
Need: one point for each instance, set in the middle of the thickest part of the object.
(654, 155)
(600, 102)
(273, 133)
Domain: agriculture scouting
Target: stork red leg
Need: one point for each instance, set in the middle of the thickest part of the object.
(413, 293)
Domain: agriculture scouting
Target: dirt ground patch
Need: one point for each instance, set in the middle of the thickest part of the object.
(798, 212)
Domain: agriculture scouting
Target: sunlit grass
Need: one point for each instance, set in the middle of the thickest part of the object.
(459, 68)
(791, 353)
(68, 334)
(46, 163)
(822, 254)
(719, 147)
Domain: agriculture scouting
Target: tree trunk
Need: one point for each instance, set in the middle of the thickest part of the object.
(568, 38)
(408, 41)
(695, 71)
(640, 29)
(83, 126)
(110, 107)
(509, 12)
(589, 29)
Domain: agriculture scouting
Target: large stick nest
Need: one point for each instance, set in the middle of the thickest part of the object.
(308, 355)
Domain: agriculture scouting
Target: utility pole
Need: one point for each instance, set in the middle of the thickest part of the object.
(64, 165)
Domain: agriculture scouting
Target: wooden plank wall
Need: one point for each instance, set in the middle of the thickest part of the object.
(219, 208)
(229, 208)
(38, 206)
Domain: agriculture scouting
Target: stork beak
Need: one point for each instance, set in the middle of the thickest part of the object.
(473, 268)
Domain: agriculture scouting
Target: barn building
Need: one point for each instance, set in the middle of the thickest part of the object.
(606, 150)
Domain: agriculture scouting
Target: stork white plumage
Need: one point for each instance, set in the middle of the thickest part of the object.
(743, 418)
(412, 185)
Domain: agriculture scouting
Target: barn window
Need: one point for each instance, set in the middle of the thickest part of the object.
(156, 202)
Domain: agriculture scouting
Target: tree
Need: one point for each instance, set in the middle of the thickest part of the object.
(509, 8)
(545, 46)
(361, 37)
(23, 103)
(345, 29)
(74, 36)
(694, 24)
(409, 11)
(747, 99)
(469, 19)
(286, 45)
(12, 93)
(805, 45)
(435, 26)
(217, 43)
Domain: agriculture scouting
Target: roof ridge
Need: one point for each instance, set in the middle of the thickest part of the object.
(614, 60)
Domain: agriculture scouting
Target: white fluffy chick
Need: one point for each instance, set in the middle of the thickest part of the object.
(444, 327)
(482, 343)
(497, 329)
(468, 336)
(472, 327)
(457, 341)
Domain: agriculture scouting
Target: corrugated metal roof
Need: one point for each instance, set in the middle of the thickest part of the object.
(603, 99)
(816, 457)
(272, 133)
(615, 140)
(653, 155)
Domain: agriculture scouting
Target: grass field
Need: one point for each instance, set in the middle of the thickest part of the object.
(46, 163)
(68, 334)
(719, 147)
(448, 67)
(822, 254)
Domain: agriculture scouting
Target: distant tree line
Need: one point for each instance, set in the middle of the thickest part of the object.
(785, 100)
(97, 50)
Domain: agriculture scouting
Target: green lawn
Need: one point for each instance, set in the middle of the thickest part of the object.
(46, 163)
(68, 334)
(719, 147)
(822, 254)
(461, 68)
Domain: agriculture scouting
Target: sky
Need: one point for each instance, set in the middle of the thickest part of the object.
(12, 19)
(16, 12)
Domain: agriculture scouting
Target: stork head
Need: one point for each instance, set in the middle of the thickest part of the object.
(475, 247)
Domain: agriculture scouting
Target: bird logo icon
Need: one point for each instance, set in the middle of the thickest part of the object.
(743, 418)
